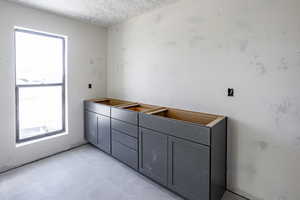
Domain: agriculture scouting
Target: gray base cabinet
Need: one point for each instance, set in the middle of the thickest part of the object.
(195, 156)
(180, 165)
(153, 154)
(181, 150)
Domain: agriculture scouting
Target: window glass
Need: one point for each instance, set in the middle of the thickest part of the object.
(39, 59)
(40, 110)
(40, 87)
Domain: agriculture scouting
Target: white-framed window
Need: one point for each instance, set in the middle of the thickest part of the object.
(40, 84)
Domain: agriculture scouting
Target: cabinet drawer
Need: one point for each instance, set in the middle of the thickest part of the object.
(125, 115)
(124, 127)
(125, 154)
(124, 139)
(178, 128)
(97, 108)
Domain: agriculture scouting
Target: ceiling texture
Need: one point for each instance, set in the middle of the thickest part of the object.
(100, 12)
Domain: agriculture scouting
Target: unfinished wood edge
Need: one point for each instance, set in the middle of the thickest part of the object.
(155, 111)
(205, 115)
(127, 105)
(150, 107)
(114, 99)
(213, 123)
(98, 99)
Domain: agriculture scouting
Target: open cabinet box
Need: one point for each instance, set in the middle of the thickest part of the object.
(139, 107)
(203, 119)
(111, 102)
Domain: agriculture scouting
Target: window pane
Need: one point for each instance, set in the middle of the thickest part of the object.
(39, 59)
(40, 110)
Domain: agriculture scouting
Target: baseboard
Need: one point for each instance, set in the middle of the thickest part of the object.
(237, 194)
(28, 163)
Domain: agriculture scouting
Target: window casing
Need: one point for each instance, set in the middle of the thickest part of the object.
(40, 84)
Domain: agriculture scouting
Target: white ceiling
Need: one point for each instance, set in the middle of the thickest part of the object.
(101, 12)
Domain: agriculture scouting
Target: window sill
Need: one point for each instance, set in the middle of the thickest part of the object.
(41, 139)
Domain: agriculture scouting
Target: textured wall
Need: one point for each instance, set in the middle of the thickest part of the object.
(185, 55)
(86, 63)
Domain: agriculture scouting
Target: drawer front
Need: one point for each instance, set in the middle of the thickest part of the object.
(176, 128)
(97, 108)
(125, 139)
(125, 154)
(125, 115)
(124, 127)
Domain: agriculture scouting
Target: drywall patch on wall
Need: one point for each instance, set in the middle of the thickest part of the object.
(195, 20)
(158, 18)
(220, 46)
(171, 44)
(249, 170)
(195, 40)
(283, 66)
(243, 45)
(260, 68)
(93, 66)
(220, 12)
(297, 141)
(281, 110)
(262, 145)
(257, 62)
(243, 25)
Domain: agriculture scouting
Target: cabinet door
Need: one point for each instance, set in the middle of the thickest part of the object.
(153, 149)
(104, 135)
(188, 169)
(90, 121)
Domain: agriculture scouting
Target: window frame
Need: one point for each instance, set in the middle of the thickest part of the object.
(62, 84)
